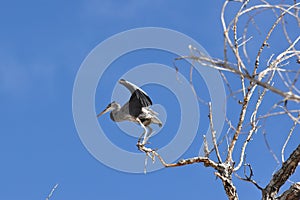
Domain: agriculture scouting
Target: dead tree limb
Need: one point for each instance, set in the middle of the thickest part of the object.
(282, 175)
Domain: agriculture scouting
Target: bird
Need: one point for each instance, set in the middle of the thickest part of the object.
(137, 110)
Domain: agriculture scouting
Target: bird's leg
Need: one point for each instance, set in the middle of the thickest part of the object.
(139, 140)
(147, 136)
(143, 134)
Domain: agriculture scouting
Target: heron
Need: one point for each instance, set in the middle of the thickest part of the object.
(137, 110)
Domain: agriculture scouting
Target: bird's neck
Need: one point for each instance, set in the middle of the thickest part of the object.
(115, 115)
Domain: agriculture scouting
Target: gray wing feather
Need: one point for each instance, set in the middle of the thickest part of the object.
(131, 87)
(138, 99)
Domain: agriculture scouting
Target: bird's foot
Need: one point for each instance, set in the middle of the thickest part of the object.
(138, 144)
(143, 143)
(141, 147)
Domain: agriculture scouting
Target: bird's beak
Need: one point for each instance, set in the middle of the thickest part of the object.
(104, 111)
(122, 81)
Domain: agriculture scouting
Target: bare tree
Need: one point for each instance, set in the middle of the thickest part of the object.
(263, 70)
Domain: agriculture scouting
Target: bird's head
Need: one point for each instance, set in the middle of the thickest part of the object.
(112, 106)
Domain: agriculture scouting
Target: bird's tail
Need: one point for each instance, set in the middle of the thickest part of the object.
(153, 115)
(155, 120)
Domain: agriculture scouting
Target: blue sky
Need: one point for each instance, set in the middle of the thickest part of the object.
(42, 45)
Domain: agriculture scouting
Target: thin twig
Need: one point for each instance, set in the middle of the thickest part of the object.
(269, 148)
(213, 133)
(264, 44)
(206, 151)
(249, 178)
(52, 191)
(287, 140)
(220, 65)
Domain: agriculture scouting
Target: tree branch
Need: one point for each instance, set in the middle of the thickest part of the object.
(282, 175)
(293, 193)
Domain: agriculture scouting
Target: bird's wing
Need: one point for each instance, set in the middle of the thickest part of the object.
(138, 99)
(131, 87)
